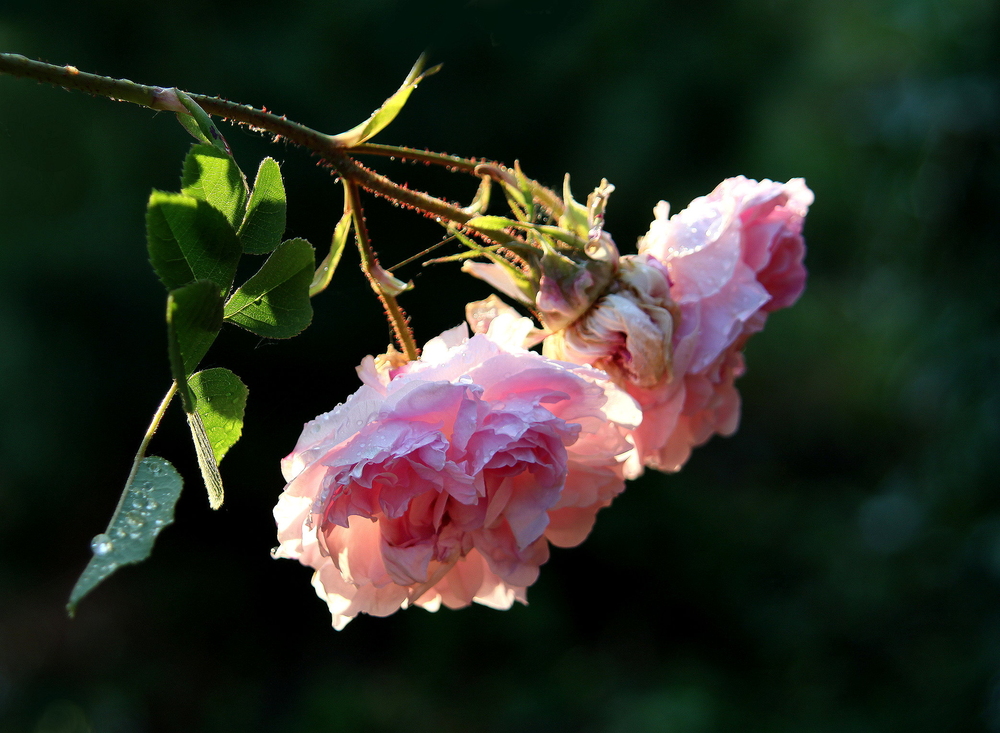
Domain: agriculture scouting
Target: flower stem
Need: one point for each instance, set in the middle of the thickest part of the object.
(141, 453)
(369, 265)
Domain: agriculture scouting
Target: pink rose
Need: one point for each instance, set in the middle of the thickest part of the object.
(733, 257)
(671, 328)
(443, 480)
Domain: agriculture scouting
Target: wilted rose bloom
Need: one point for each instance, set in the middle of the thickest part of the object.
(444, 479)
(628, 331)
(730, 258)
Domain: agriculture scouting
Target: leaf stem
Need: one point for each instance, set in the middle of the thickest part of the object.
(370, 266)
(141, 453)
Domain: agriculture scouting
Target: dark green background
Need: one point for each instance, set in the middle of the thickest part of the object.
(833, 567)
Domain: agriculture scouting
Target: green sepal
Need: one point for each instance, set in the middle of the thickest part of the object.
(324, 273)
(264, 223)
(526, 191)
(575, 216)
(492, 223)
(385, 114)
(146, 507)
(482, 198)
(194, 317)
(189, 239)
(212, 175)
(274, 303)
(524, 283)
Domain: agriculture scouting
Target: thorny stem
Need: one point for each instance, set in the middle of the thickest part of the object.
(454, 162)
(322, 145)
(158, 98)
(369, 264)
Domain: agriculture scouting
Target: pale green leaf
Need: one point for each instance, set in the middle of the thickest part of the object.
(324, 273)
(387, 112)
(146, 507)
(203, 128)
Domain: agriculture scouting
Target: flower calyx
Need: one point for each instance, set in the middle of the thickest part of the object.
(559, 269)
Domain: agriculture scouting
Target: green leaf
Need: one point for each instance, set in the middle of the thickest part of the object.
(194, 317)
(220, 400)
(324, 273)
(190, 124)
(387, 112)
(211, 175)
(206, 460)
(274, 303)
(264, 224)
(200, 124)
(190, 240)
(146, 507)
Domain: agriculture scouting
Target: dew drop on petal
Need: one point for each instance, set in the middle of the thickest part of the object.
(151, 505)
(101, 545)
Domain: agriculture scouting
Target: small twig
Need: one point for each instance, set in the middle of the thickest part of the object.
(369, 265)
(418, 255)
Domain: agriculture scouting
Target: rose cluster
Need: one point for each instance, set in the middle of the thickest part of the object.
(443, 480)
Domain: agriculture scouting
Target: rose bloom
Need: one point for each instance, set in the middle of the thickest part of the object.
(717, 269)
(443, 480)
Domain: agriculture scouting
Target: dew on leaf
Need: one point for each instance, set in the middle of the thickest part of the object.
(101, 545)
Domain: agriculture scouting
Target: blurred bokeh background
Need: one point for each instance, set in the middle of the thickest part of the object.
(835, 566)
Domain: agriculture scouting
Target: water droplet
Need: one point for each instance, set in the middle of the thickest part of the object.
(101, 545)
(151, 505)
(136, 504)
(119, 533)
(134, 535)
(132, 522)
(159, 522)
